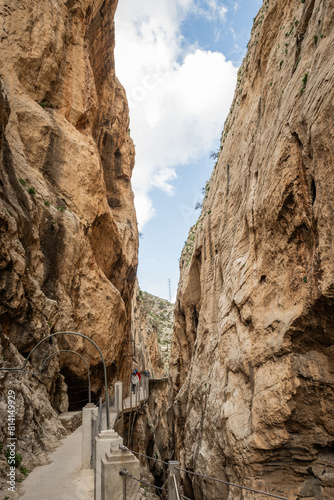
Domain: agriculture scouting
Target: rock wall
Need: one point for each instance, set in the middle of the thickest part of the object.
(253, 356)
(69, 238)
(152, 328)
(145, 346)
(153, 435)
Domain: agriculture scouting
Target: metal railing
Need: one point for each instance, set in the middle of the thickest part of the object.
(96, 428)
(139, 392)
(21, 368)
(51, 356)
(128, 481)
(174, 489)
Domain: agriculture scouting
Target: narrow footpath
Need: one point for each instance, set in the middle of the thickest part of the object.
(62, 479)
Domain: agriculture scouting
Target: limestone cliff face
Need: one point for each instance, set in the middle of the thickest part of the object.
(68, 227)
(145, 333)
(152, 328)
(252, 357)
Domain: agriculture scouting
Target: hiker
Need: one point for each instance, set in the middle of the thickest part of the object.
(134, 380)
(138, 374)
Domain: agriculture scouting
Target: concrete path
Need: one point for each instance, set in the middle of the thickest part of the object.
(63, 478)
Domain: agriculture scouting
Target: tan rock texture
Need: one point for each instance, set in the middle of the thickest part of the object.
(146, 349)
(152, 327)
(69, 238)
(253, 356)
(152, 434)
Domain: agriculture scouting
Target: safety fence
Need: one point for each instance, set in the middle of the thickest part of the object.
(139, 393)
(96, 428)
(101, 444)
(174, 488)
(130, 488)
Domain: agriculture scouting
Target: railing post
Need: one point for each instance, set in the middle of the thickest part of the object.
(100, 415)
(118, 397)
(124, 487)
(87, 412)
(103, 444)
(114, 465)
(130, 395)
(172, 487)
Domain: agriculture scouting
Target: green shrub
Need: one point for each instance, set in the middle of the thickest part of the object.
(24, 470)
(47, 203)
(31, 190)
(18, 457)
(23, 182)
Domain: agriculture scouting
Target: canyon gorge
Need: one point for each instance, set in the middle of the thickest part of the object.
(248, 395)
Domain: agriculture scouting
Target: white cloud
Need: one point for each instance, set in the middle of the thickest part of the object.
(178, 95)
(210, 10)
(222, 13)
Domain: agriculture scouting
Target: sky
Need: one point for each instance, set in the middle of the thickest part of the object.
(178, 61)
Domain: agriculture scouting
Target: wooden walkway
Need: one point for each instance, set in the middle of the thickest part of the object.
(132, 403)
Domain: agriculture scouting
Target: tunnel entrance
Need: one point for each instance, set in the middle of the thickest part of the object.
(77, 390)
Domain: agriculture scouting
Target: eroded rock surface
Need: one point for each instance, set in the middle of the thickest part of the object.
(68, 227)
(152, 329)
(252, 358)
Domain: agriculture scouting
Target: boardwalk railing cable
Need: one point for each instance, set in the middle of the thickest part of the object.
(232, 484)
(124, 472)
(124, 448)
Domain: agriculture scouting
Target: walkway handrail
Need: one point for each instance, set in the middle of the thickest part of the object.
(232, 484)
(80, 335)
(175, 487)
(125, 448)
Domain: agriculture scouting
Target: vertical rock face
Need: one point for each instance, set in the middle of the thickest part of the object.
(68, 227)
(152, 328)
(145, 332)
(253, 356)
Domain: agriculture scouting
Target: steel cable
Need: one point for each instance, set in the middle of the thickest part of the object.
(232, 484)
(126, 473)
(124, 448)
